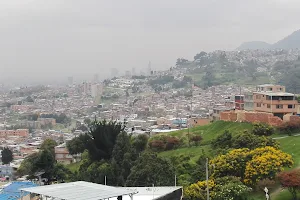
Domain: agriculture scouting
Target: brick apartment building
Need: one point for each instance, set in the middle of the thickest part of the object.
(18, 133)
(62, 154)
(273, 99)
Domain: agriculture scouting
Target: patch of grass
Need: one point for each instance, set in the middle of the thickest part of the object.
(257, 196)
(73, 167)
(193, 152)
(213, 130)
(291, 146)
(283, 195)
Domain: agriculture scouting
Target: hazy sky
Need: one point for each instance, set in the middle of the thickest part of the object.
(54, 39)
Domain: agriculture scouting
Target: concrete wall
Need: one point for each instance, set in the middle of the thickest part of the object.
(199, 121)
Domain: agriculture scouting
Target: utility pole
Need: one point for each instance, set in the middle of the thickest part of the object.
(207, 187)
(188, 126)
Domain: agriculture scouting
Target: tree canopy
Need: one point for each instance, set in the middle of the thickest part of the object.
(7, 155)
(150, 169)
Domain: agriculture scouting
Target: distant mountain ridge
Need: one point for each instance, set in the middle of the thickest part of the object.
(254, 45)
(290, 42)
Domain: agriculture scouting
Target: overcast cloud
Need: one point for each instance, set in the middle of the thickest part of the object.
(54, 39)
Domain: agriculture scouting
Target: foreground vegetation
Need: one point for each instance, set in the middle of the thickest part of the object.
(243, 159)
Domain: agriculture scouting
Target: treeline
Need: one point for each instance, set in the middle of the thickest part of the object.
(108, 151)
(158, 83)
(61, 118)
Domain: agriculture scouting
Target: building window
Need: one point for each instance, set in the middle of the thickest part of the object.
(257, 96)
(279, 106)
(268, 106)
(291, 106)
(258, 104)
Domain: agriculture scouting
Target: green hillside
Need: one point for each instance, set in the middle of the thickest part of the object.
(208, 133)
(291, 146)
(213, 130)
(288, 144)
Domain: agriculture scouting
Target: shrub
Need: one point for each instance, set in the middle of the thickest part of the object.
(196, 139)
(164, 143)
(172, 143)
(262, 129)
(223, 141)
(291, 181)
(270, 184)
(289, 127)
(157, 145)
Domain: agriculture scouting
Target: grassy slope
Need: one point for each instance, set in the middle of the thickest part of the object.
(211, 131)
(194, 152)
(208, 133)
(291, 145)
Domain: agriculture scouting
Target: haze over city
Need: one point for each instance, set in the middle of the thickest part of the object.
(47, 41)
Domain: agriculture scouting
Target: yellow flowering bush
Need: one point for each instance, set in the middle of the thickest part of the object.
(251, 165)
(231, 164)
(197, 191)
(266, 163)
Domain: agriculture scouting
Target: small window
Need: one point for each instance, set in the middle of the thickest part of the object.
(258, 104)
(279, 106)
(268, 106)
(270, 89)
(290, 106)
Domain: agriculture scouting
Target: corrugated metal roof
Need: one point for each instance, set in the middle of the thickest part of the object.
(79, 190)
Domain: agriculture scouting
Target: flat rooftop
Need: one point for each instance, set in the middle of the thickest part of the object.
(276, 93)
(267, 85)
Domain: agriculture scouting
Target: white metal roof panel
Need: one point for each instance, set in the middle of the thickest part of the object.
(79, 190)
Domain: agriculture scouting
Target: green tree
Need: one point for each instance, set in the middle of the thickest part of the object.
(60, 172)
(209, 78)
(223, 141)
(198, 173)
(262, 129)
(7, 155)
(43, 161)
(150, 169)
(140, 142)
(123, 157)
(200, 55)
(102, 138)
(49, 144)
(251, 141)
(78, 144)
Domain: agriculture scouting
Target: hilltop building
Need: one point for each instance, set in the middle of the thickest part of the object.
(273, 99)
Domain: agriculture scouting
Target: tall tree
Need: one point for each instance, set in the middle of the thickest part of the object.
(103, 137)
(123, 156)
(140, 142)
(7, 156)
(150, 169)
(43, 161)
(78, 144)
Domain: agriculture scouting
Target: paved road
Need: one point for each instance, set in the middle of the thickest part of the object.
(278, 138)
